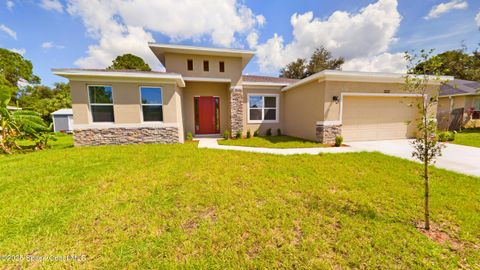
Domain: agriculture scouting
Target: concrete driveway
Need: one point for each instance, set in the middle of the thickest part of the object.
(459, 158)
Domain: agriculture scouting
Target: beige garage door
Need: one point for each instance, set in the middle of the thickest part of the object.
(377, 118)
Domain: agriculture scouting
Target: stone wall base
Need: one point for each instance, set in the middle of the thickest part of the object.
(327, 133)
(117, 136)
(236, 107)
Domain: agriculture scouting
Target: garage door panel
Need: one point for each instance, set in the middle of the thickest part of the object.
(377, 118)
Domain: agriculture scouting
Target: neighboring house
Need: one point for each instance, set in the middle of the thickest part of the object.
(63, 120)
(459, 105)
(203, 91)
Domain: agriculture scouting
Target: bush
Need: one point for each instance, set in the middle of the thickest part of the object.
(338, 140)
(256, 133)
(249, 134)
(279, 132)
(446, 136)
(226, 134)
(189, 136)
(238, 134)
(269, 132)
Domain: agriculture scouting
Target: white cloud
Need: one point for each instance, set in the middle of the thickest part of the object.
(477, 19)
(127, 26)
(50, 44)
(361, 36)
(8, 31)
(52, 5)
(442, 8)
(19, 51)
(10, 4)
(385, 62)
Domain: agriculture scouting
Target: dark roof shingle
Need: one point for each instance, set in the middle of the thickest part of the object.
(267, 79)
(460, 87)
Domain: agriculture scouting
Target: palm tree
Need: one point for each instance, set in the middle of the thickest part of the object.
(17, 124)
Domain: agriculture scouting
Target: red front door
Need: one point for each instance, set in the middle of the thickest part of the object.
(207, 115)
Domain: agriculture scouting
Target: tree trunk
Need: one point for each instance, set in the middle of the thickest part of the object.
(427, 197)
(426, 161)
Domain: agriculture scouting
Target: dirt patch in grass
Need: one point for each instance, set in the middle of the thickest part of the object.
(438, 234)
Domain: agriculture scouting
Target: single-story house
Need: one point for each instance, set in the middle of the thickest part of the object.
(204, 91)
(63, 120)
(459, 105)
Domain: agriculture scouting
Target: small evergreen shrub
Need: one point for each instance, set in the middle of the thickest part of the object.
(338, 140)
(269, 132)
(189, 136)
(279, 132)
(226, 134)
(446, 136)
(249, 134)
(238, 134)
(256, 133)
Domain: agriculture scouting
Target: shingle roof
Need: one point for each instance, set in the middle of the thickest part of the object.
(267, 79)
(460, 87)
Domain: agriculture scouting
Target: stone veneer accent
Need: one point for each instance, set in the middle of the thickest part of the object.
(130, 135)
(236, 109)
(327, 133)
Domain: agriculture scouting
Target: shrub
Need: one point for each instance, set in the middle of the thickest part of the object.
(446, 136)
(269, 132)
(189, 136)
(226, 134)
(279, 132)
(338, 140)
(238, 134)
(249, 134)
(256, 133)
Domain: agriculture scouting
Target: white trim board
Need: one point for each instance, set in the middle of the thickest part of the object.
(207, 79)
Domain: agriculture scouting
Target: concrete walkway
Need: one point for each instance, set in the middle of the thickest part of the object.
(213, 144)
(458, 158)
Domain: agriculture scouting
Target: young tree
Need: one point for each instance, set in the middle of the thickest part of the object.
(129, 61)
(15, 68)
(426, 146)
(320, 60)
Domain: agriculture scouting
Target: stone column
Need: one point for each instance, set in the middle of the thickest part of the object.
(326, 132)
(236, 109)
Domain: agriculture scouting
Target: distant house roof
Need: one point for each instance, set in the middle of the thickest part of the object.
(460, 87)
(63, 112)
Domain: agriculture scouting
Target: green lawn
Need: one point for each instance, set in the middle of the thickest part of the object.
(62, 141)
(177, 206)
(469, 137)
(273, 142)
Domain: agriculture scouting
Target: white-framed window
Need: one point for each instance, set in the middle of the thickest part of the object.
(476, 104)
(100, 98)
(263, 108)
(151, 100)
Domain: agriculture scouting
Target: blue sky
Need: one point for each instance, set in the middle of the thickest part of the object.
(371, 35)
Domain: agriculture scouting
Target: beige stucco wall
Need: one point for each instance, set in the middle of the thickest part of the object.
(262, 127)
(126, 102)
(335, 88)
(303, 107)
(178, 63)
(193, 89)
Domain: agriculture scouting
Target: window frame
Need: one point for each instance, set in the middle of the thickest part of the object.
(100, 104)
(221, 66)
(156, 104)
(277, 108)
(188, 64)
(206, 66)
(476, 100)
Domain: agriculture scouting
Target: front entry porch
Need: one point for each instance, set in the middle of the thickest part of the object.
(207, 115)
